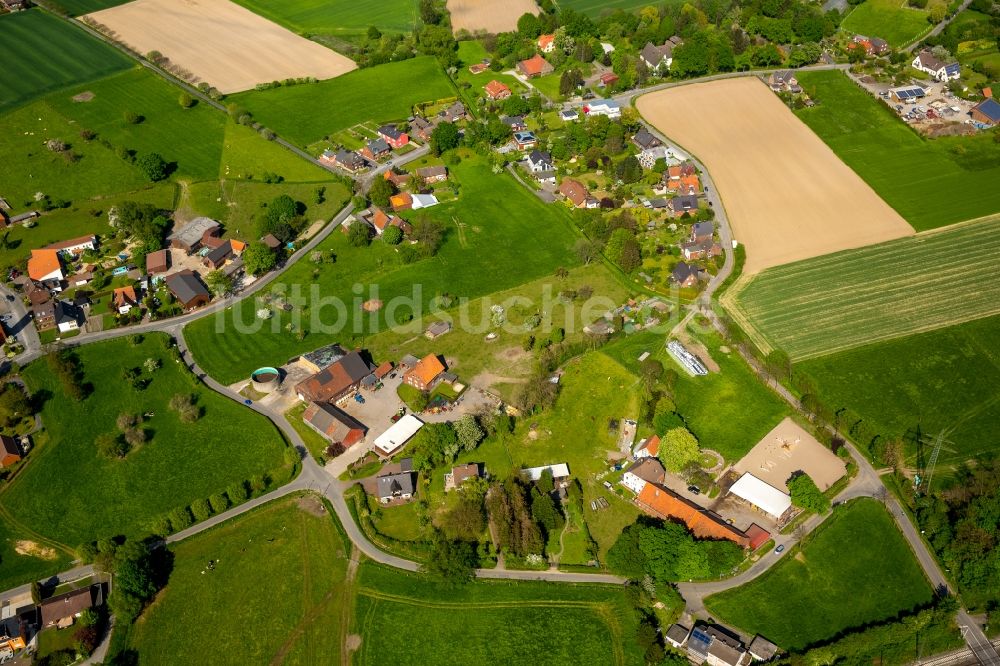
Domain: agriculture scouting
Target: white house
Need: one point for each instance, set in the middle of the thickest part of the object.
(604, 107)
(647, 158)
(647, 448)
(643, 471)
(67, 316)
(927, 62)
(657, 58)
(75, 246)
(559, 471)
(568, 115)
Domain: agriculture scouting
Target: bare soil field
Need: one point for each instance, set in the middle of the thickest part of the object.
(221, 42)
(788, 196)
(489, 15)
(787, 449)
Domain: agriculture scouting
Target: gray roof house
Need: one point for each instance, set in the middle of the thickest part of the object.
(656, 57)
(394, 486)
(677, 635)
(644, 140)
(683, 204)
(702, 230)
(539, 160)
(762, 649)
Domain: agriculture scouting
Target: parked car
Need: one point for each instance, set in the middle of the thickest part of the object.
(358, 398)
(694, 489)
(780, 549)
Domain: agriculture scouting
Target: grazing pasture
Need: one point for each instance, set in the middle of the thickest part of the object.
(190, 139)
(32, 67)
(504, 622)
(301, 607)
(489, 16)
(845, 300)
(221, 42)
(787, 196)
(70, 493)
(306, 113)
(892, 20)
(483, 252)
(856, 568)
(595, 8)
(908, 171)
(920, 385)
(317, 18)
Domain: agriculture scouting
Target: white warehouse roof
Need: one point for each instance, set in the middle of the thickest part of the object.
(399, 434)
(765, 497)
(559, 471)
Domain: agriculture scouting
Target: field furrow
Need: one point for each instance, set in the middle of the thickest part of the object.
(880, 292)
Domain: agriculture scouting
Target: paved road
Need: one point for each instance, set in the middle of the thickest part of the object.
(76, 573)
(938, 28)
(23, 327)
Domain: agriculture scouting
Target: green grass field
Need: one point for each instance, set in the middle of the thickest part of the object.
(892, 20)
(487, 253)
(191, 138)
(306, 113)
(595, 8)
(79, 7)
(490, 622)
(32, 67)
(276, 594)
(854, 569)
(941, 380)
(17, 569)
(470, 53)
(339, 19)
(930, 182)
(246, 155)
(71, 494)
(857, 297)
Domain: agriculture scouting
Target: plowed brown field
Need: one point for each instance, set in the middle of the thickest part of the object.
(787, 195)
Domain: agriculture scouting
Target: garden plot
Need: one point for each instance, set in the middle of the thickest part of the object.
(221, 42)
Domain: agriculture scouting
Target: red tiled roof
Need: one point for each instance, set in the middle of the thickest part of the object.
(665, 503)
(495, 89)
(43, 262)
(427, 369)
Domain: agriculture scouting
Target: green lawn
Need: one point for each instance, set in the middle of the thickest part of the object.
(276, 594)
(930, 182)
(189, 138)
(17, 569)
(71, 494)
(470, 53)
(597, 7)
(306, 113)
(322, 17)
(941, 380)
(490, 622)
(853, 298)
(489, 252)
(729, 411)
(245, 155)
(33, 67)
(78, 7)
(892, 20)
(854, 569)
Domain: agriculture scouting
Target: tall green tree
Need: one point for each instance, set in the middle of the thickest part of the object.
(678, 447)
(806, 495)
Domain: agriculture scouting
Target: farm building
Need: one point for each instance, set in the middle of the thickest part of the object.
(336, 381)
(986, 112)
(188, 289)
(158, 262)
(393, 439)
(218, 256)
(496, 90)
(437, 329)
(787, 449)
(334, 424)
(423, 374)
(194, 234)
(664, 503)
(321, 358)
(906, 93)
(763, 496)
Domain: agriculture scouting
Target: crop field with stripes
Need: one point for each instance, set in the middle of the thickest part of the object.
(840, 301)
